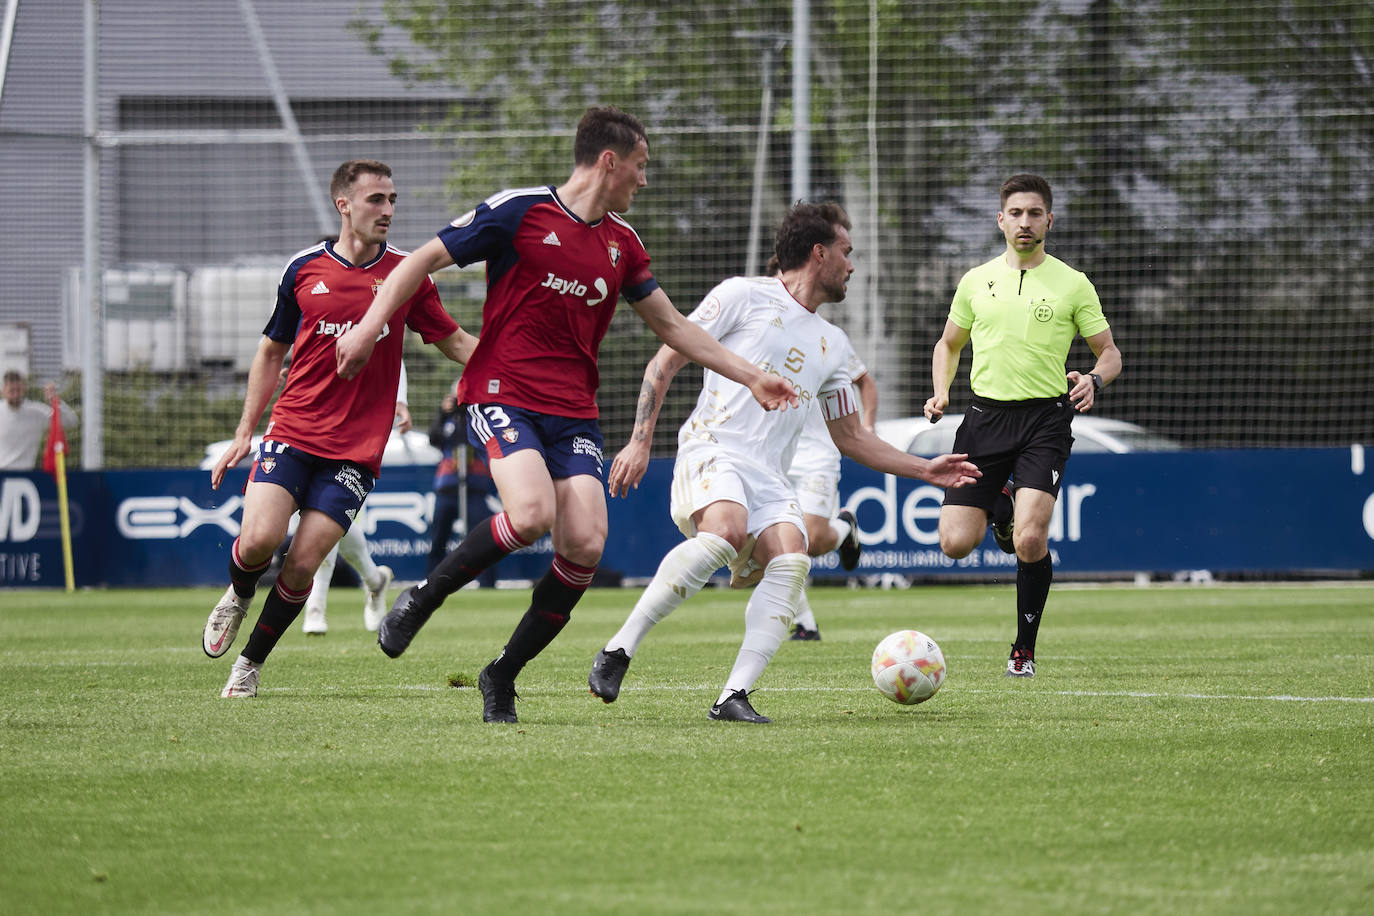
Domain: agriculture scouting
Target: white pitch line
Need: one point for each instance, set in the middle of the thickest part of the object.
(1132, 694)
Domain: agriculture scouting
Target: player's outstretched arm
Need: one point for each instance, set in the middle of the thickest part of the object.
(630, 463)
(262, 382)
(852, 439)
(771, 391)
(353, 349)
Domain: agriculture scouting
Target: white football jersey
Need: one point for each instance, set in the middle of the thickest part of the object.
(816, 451)
(757, 318)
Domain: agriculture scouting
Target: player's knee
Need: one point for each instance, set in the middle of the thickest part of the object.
(789, 568)
(531, 522)
(584, 552)
(734, 535)
(956, 545)
(1031, 544)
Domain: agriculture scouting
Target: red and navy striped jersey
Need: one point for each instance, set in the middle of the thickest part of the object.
(322, 295)
(553, 283)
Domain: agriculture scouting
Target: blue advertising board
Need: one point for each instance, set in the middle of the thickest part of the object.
(1229, 511)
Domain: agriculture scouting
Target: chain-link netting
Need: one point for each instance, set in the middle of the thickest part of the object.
(1212, 165)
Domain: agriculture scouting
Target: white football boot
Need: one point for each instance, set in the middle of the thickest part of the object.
(223, 624)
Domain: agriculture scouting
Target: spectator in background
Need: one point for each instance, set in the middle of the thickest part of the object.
(447, 433)
(23, 422)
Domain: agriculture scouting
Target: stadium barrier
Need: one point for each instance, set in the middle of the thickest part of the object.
(1232, 511)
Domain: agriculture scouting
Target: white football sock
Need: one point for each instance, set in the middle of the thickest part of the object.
(682, 573)
(766, 619)
(804, 618)
(319, 592)
(841, 529)
(353, 547)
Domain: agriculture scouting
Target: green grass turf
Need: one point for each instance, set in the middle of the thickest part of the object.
(1181, 750)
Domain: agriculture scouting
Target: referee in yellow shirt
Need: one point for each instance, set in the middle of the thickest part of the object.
(1021, 310)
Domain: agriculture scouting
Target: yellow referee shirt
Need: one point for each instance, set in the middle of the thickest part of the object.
(1021, 323)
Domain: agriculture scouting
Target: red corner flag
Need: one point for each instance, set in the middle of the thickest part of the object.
(57, 439)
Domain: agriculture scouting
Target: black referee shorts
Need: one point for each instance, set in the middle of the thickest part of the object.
(1025, 440)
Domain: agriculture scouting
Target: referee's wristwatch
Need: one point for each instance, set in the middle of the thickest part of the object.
(1097, 381)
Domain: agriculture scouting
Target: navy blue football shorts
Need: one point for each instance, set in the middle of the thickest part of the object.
(570, 445)
(336, 488)
(1028, 441)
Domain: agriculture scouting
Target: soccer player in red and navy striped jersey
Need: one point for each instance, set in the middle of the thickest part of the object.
(322, 448)
(558, 260)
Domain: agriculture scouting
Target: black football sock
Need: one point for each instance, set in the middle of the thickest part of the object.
(279, 611)
(1032, 591)
(487, 542)
(551, 605)
(244, 578)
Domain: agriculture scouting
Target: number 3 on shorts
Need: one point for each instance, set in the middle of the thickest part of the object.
(496, 415)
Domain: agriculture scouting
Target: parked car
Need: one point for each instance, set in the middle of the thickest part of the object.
(402, 448)
(918, 436)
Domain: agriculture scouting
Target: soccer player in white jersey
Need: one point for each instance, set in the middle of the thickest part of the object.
(731, 497)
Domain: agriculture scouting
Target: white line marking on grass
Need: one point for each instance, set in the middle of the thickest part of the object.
(1283, 698)
(683, 688)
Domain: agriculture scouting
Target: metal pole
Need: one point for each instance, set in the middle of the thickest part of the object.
(93, 351)
(751, 258)
(325, 214)
(801, 100)
(772, 43)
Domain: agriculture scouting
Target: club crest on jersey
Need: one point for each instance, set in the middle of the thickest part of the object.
(377, 284)
(709, 310)
(825, 347)
(613, 249)
(510, 435)
(267, 464)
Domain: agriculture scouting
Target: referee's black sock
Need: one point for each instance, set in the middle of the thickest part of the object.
(551, 605)
(1002, 509)
(487, 542)
(1032, 591)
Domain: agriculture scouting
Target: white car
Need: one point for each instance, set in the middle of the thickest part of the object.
(918, 436)
(402, 448)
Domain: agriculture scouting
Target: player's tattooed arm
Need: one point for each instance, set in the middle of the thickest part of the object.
(645, 411)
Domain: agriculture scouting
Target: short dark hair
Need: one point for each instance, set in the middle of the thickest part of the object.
(804, 226)
(604, 128)
(1028, 184)
(347, 173)
(13, 375)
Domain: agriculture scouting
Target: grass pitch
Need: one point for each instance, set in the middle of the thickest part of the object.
(1180, 750)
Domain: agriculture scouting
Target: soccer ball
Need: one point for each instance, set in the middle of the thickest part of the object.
(908, 667)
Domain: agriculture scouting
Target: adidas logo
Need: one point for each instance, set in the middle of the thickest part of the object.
(319, 289)
(552, 239)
